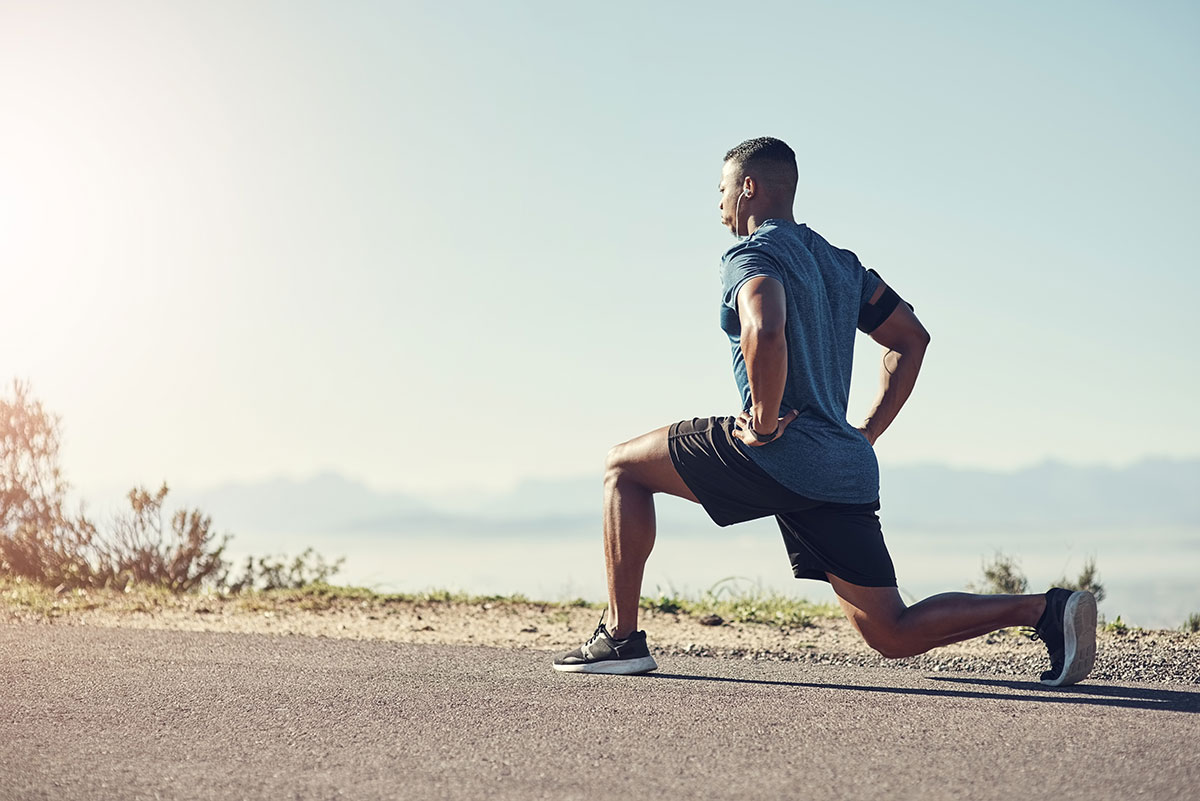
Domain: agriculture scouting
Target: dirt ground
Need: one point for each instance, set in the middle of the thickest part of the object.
(1128, 655)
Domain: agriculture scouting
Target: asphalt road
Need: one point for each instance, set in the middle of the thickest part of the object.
(127, 714)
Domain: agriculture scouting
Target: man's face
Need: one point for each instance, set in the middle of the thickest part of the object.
(731, 189)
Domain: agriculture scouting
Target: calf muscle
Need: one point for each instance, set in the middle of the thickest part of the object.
(896, 630)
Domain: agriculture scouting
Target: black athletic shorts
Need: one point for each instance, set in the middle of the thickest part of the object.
(844, 539)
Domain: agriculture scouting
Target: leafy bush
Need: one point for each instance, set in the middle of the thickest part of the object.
(277, 573)
(41, 542)
(1089, 579)
(181, 560)
(1001, 576)
(1192, 623)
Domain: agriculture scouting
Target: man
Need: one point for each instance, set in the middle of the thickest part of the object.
(791, 305)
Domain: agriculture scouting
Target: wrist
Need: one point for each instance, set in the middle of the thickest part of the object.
(762, 423)
(763, 439)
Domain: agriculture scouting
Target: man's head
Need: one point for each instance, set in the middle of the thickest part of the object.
(758, 181)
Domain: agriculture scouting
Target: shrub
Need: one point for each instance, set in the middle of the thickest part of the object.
(277, 573)
(40, 541)
(1192, 623)
(181, 560)
(1089, 579)
(1001, 576)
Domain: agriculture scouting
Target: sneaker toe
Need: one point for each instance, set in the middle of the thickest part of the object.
(575, 657)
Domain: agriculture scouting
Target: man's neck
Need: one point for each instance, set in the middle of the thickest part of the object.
(755, 220)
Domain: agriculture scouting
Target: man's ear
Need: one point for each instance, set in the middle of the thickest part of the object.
(748, 187)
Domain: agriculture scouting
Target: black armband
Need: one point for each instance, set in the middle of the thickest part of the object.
(872, 315)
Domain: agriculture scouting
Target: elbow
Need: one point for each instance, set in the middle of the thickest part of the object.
(918, 338)
(913, 343)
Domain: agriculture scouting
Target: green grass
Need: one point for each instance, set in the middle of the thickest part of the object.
(320, 596)
(734, 600)
(738, 600)
(29, 597)
(424, 597)
(22, 592)
(23, 595)
(39, 599)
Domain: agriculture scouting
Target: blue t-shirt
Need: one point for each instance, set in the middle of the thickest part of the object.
(820, 455)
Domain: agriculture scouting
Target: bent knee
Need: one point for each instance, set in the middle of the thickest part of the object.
(891, 651)
(615, 458)
(888, 643)
(617, 463)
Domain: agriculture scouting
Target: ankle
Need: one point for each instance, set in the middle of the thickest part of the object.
(618, 632)
(618, 628)
(1037, 608)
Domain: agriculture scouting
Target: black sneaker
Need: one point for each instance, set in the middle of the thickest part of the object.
(603, 654)
(1068, 628)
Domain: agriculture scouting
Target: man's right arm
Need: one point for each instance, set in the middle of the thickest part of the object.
(906, 340)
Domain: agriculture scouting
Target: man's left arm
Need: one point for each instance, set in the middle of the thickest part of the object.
(762, 310)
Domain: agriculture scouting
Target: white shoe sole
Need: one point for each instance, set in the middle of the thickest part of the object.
(617, 667)
(1079, 639)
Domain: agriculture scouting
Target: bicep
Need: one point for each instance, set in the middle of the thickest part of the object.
(762, 304)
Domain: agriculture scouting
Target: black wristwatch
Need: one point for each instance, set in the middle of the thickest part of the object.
(763, 438)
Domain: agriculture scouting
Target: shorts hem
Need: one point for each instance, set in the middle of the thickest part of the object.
(856, 579)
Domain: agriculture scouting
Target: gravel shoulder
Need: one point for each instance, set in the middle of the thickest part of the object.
(1137, 655)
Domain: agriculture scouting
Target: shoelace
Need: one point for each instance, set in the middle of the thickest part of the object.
(600, 629)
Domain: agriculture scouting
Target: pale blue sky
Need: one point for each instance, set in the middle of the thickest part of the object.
(439, 245)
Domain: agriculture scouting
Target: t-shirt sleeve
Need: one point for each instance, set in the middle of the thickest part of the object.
(741, 268)
(870, 283)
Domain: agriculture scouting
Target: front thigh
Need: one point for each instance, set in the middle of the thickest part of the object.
(646, 459)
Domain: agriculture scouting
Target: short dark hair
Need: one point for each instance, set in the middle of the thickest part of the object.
(770, 160)
(762, 148)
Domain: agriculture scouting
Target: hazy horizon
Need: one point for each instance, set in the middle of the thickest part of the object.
(1174, 476)
(100, 489)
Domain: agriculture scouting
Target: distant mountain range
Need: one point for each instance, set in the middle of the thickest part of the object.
(1154, 492)
(1151, 492)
